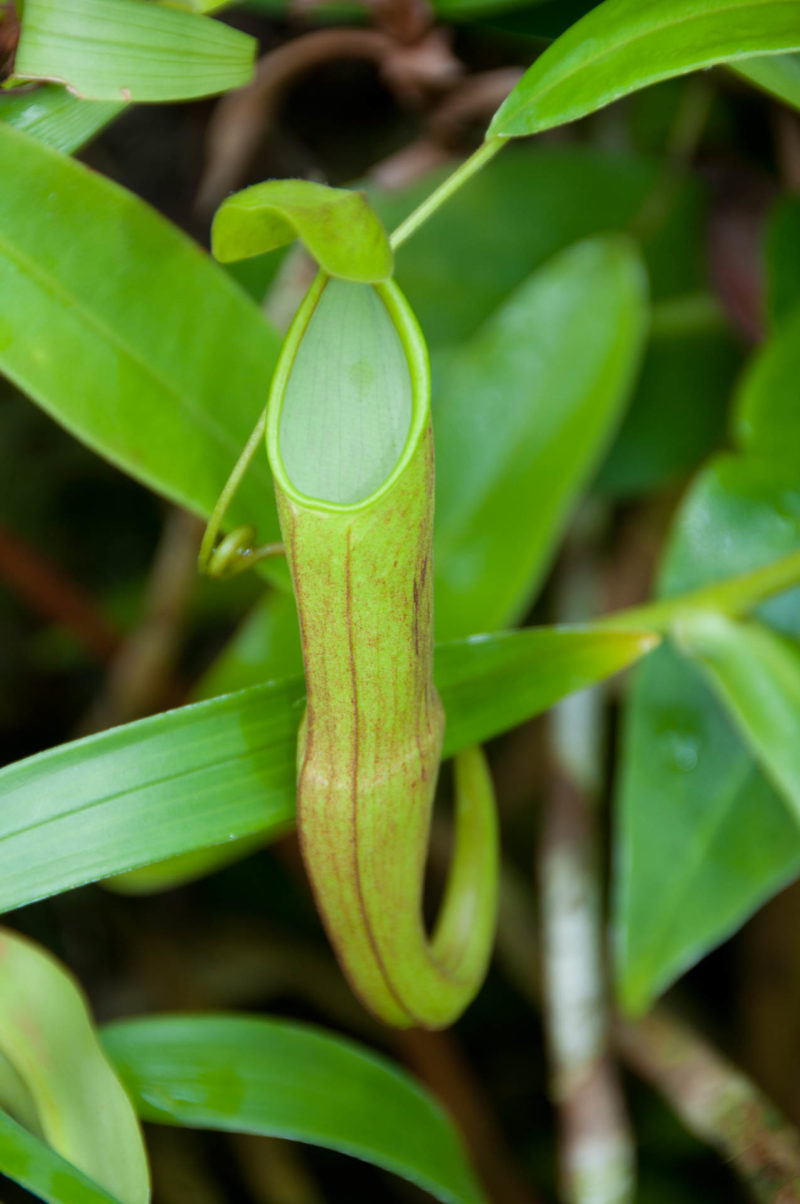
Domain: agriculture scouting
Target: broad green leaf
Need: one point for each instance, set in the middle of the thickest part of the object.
(266, 646)
(767, 415)
(130, 50)
(783, 259)
(49, 1042)
(703, 839)
(523, 413)
(338, 227)
(689, 369)
(778, 74)
(215, 771)
(55, 117)
(459, 268)
(28, 1161)
(252, 1075)
(756, 673)
(623, 45)
(169, 362)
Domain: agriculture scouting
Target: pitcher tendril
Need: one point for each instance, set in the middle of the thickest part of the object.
(350, 444)
(237, 552)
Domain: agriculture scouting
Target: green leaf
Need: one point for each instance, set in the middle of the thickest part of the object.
(703, 839)
(623, 45)
(212, 772)
(783, 259)
(767, 416)
(523, 414)
(338, 227)
(155, 334)
(689, 369)
(778, 74)
(129, 50)
(756, 674)
(49, 1043)
(55, 117)
(530, 193)
(265, 647)
(491, 683)
(32, 1164)
(252, 1075)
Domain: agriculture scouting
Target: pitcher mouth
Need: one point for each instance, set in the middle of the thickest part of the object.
(385, 439)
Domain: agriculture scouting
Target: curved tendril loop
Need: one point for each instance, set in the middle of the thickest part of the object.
(238, 552)
(370, 744)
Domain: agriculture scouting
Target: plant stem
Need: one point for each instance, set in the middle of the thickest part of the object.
(464, 172)
(596, 1146)
(717, 1103)
(733, 597)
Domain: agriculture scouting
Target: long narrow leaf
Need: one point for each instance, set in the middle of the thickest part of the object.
(51, 1053)
(131, 50)
(623, 45)
(778, 74)
(29, 1162)
(756, 674)
(128, 334)
(252, 1075)
(55, 117)
(219, 770)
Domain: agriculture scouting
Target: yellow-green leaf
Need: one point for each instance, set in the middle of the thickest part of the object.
(131, 50)
(58, 1074)
(338, 227)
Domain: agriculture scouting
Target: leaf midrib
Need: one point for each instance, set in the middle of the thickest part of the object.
(653, 31)
(50, 284)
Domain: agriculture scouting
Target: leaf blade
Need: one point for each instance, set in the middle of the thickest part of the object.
(133, 394)
(766, 418)
(47, 1035)
(32, 1164)
(778, 74)
(220, 770)
(126, 50)
(622, 45)
(522, 421)
(55, 117)
(253, 1075)
(338, 227)
(756, 674)
(689, 794)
